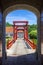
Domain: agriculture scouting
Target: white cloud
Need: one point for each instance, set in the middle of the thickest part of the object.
(19, 18)
(15, 18)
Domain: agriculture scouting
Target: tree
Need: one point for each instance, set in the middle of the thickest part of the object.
(33, 34)
(32, 27)
(8, 24)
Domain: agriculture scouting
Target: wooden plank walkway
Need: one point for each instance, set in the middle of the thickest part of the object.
(20, 47)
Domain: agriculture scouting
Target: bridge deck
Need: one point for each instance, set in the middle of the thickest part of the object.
(20, 47)
(21, 53)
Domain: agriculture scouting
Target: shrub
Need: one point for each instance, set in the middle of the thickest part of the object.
(33, 34)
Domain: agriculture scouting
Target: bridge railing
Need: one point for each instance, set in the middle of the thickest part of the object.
(10, 43)
(33, 46)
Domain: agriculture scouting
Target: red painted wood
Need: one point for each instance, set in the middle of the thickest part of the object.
(33, 46)
(10, 43)
(20, 22)
(15, 30)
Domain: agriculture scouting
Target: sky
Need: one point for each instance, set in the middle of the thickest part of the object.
(21, 15)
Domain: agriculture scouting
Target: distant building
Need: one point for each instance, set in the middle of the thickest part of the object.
(9, 31)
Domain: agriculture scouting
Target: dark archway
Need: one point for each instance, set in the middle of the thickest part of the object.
(28, 7)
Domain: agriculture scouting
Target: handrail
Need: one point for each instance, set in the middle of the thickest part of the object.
(33, 46)
(10, 43)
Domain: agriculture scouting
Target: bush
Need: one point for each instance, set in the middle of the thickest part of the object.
(33, 34)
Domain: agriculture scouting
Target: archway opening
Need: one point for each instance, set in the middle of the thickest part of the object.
(20, 17)
(31, 57)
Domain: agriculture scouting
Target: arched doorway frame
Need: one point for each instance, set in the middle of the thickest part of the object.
(25, 7)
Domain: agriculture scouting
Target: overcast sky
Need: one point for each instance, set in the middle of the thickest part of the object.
(21, 15)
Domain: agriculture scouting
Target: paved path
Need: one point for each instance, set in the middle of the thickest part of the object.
(20, 47)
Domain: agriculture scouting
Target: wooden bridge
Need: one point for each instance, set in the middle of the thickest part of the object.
(19, 46)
